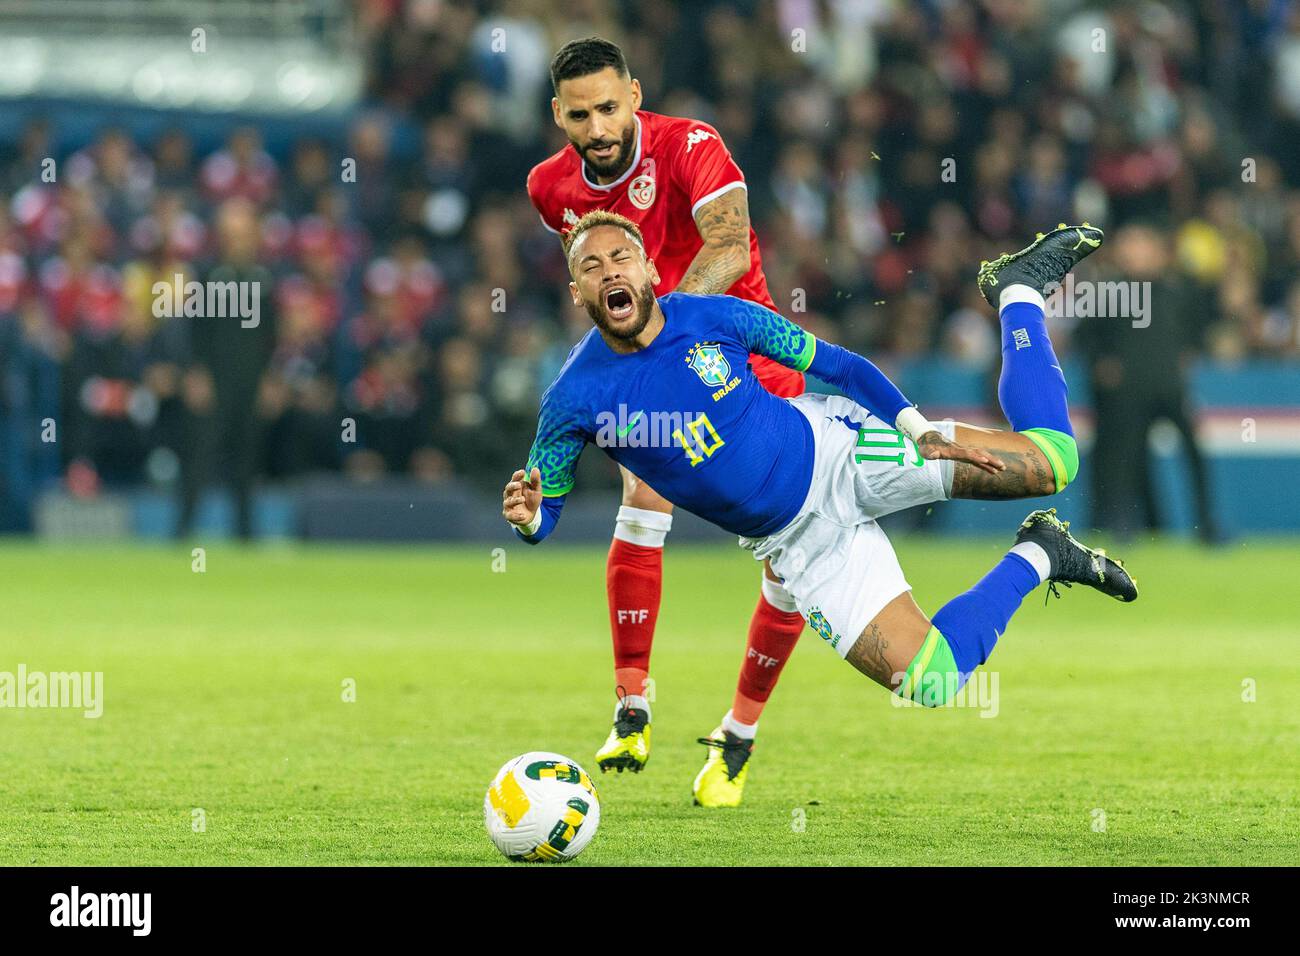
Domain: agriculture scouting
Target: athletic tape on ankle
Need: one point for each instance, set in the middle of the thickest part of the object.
(642, 527)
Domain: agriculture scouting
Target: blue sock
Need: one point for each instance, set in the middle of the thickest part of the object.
(972, 622)
(1032, 388)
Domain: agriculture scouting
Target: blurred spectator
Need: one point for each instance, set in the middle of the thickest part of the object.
(31, 350)
(229, 354)
(386, 388)
(242, 169)
(1137, 364)
(297, 400)
(119, 384)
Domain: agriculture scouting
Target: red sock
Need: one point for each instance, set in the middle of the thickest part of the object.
(772, 636)
(634, 582)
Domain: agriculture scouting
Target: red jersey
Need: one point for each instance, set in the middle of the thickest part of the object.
(678, 165)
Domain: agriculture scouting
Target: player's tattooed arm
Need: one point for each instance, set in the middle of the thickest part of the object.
(724, 226)
(932, 445)
(1027, 475)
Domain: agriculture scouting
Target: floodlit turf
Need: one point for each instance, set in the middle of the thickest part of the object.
(223, 693)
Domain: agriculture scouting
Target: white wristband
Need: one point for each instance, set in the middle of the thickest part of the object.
(912, 423)
(530, 529)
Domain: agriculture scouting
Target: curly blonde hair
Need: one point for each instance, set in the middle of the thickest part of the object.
(600, 217)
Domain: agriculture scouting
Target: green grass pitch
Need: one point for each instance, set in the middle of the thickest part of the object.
(224, 693)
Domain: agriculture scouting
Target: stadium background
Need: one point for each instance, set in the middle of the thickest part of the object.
(423, 299)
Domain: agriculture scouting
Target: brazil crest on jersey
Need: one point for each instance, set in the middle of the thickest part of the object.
(686, 415)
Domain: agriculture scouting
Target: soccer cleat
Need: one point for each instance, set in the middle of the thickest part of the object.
(1042, 263)
(1073, 562)
(721, 782)
(628, 744)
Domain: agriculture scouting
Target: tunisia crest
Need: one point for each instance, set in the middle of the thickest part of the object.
(641, 191)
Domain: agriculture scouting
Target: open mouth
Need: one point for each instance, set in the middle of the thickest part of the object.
(618, 303)
(603, 152)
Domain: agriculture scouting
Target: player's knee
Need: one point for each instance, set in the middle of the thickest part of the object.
(1062, 454)
(932, 679)
(1070, 453)
(775, 594)
(933, 689)
(637, 494)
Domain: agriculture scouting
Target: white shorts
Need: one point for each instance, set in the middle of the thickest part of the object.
(833, 558)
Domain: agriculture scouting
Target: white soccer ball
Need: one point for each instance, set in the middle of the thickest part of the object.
(541, 807)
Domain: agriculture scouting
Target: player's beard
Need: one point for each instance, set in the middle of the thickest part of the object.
(616, 164)
(645, 305)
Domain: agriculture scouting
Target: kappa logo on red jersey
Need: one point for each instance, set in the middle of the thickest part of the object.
(697, 136)
(570, 217)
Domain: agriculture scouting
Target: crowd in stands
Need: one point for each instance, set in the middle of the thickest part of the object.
(414, 296)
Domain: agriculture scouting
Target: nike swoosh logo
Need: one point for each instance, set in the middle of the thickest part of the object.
(622, 431)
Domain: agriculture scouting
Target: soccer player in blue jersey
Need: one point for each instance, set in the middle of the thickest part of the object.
(661, 386)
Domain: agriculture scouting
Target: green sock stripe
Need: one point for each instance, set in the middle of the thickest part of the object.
(915, 669)
(929, 669)
(1061, 451)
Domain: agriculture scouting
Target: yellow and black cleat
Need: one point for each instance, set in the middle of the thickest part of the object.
(721, 782)
(1042, 264)
(1073, 562)
(628, 745)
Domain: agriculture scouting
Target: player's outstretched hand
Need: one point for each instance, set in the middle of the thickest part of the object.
(522, 498)
(933, 446)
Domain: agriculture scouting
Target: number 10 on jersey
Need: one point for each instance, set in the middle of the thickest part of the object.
(707, 445)
(885, 444)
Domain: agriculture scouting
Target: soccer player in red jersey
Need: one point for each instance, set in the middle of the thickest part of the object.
(676, 180)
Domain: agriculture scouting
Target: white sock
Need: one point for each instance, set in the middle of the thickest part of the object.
(743, 731)
(1033, 552)
(1019, 292)
(776, 595)
(636, 702)
(642, 527)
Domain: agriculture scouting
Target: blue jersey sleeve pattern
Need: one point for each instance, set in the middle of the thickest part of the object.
(555, 452)
(773, 335)
(559, 443)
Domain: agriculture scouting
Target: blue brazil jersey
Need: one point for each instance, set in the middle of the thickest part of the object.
(687, 416)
